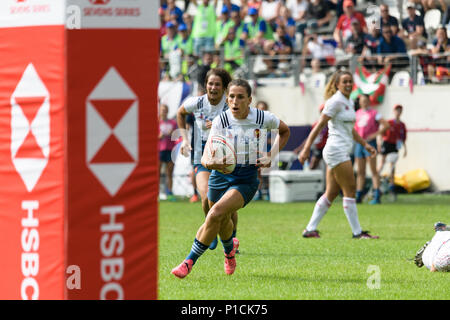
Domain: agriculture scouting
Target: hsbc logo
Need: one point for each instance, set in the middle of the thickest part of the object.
(30, 127)
(112, 131)
(99, 1)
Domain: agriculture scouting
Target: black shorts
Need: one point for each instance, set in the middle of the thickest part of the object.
(387, 148)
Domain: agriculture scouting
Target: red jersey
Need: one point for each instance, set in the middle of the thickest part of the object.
(345, 23)
(396, 131)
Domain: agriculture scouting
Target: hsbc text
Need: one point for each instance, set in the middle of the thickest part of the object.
(112, 245)
(29, 289)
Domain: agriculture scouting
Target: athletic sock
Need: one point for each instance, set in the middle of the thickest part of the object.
(227, 245)
(320, 209)
(233, 235)
(359, 194)
(197, 250)
(351, 212)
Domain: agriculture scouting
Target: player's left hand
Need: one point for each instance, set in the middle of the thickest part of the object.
(265, 161)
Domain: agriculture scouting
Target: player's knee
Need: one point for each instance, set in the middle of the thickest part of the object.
(215, 216)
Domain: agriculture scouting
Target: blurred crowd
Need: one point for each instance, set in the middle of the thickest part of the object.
(322, 34)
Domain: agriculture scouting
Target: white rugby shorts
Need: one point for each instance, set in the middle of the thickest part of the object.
(334, 155)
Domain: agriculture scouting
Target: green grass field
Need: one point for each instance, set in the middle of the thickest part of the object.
(276, 263)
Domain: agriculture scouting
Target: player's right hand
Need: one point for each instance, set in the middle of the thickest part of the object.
(303, 155)
(185, 148)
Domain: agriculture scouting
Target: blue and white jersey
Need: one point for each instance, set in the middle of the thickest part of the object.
(250, 138)
(203, 110)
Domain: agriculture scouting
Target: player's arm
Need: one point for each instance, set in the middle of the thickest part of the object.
(181, 122)
(304, 154)
(364, 143)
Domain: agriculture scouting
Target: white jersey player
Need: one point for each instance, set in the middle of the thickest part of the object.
(435, 254)
(339, 114)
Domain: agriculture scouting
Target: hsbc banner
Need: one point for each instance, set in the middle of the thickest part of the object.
(112, 163)
(78, 141)
(31, 150)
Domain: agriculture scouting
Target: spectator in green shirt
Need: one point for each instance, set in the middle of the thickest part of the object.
(169, 41)
(204, 27)
(256, 32)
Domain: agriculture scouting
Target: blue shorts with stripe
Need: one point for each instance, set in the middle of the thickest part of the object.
(219, 184)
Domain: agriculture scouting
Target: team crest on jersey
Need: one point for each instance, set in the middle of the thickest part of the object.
(257, 133)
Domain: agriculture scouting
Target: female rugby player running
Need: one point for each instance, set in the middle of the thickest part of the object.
(339, 113)
(230, 191)
(205, 108)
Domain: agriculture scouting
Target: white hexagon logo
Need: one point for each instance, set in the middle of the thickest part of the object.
(112, 131)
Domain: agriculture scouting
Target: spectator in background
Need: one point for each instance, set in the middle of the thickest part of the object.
(387, 20)
(280, 46)
(222, 25)
(256, 32)
(236, 23)
(441, 45)
(315, 47)
(284, 18)
(393, 139)
(203, 68)
(337, 6)
(418, 5)
(254, 4)
(233, 51)
(369, 124)
(298, 9)
(184, 40)
(169, 41)
(166, 127)
(173, 13)
(244, 9)
(269, 11)
(372, 41)
(390, 47)
(187, 18)
(230, 6)
(357, 40)
(185, 46)
(204, 27)
(318, 15)
(343, 27)
(413, 27)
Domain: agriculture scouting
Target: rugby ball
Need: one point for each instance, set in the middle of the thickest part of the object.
(223, 148)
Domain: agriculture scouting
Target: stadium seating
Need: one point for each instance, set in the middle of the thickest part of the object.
(401, 79)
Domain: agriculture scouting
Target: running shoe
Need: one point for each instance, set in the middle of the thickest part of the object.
(194, 198)
(230, 260)
(183, 269)
(365, 235)
(310, 234)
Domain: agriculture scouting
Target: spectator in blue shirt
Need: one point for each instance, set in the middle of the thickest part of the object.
(391, 49)
(173, 12)
(413, 27)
